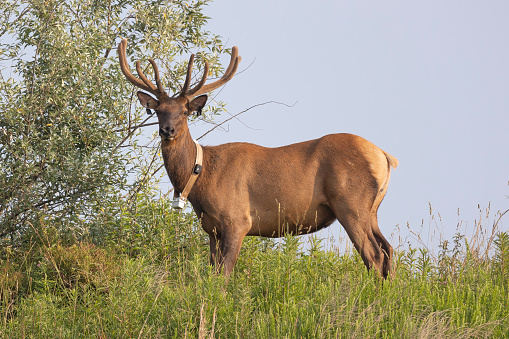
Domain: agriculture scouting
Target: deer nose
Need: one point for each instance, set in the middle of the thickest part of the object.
(167, 132)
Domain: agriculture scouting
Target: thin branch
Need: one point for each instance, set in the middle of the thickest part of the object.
(137, 126)
(245, 69)
(235, 115)
(130, 134)
(236, 118)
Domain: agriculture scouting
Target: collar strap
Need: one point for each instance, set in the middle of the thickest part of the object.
(180, 199)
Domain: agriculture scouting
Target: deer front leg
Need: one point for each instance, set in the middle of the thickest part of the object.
(230, 249)
(214, 243)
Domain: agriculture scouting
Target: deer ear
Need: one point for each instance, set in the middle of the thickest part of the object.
(147, 101)
(197, 104)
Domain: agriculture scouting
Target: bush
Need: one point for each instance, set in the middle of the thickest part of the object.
(67, 113)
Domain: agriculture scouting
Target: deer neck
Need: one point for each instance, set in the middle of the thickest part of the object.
(179, 157)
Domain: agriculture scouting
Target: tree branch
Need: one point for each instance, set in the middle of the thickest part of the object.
(247, 109)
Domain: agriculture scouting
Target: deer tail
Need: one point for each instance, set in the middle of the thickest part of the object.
(392, 160)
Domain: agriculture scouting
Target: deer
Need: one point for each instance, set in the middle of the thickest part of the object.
(241, 189)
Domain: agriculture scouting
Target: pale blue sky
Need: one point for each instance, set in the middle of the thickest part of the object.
(426, 81)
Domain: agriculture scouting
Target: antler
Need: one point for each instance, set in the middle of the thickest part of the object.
(144, 83)
(201, 88)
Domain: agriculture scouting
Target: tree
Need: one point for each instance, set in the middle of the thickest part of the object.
(66, 110)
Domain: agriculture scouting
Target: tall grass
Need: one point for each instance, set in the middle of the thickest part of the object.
(133, 286)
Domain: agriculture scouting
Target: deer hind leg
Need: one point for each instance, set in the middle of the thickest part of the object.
(379, 239)
(359, 230)
(383, 244)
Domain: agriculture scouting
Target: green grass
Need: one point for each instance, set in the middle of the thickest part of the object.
(166, 289)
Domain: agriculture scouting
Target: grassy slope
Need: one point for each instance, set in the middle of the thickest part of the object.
(166, 289)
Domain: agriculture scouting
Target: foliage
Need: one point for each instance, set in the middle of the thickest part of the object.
(66, 110)
(155, 282)
(502, 254)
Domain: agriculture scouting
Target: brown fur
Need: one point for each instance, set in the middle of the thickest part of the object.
(249, 190)
(246, 189)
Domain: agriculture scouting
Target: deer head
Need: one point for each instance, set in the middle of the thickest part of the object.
(172, 112)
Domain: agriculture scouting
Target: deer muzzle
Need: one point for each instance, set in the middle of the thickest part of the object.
(167, 133)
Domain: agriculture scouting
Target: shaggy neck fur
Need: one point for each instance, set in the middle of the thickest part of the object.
(179, 157)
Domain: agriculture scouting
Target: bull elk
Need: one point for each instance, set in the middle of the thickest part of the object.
(240, 189)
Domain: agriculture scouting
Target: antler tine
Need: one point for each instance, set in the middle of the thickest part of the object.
(235, 53)
(125, 67)
(202, 81)
(156, 75)
(144, 84)
(188, 76)
(143, 77)
(228, 74)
